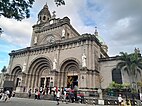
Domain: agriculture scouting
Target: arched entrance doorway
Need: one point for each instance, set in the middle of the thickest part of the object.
(39, 74)
(70, 73)
(16, 76)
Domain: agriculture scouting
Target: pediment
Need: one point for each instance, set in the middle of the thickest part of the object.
(47, 39)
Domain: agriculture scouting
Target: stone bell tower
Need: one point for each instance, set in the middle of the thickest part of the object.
(44, 15)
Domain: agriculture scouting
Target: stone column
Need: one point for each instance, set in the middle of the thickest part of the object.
(93, 79)
(35, 83)
(89, 79)
(59, 79)
(45, 82)
(28, 81)
(26, 84)
(83, 78)
(33, 80)
(62, 80)
(39, 78)
(23, 85)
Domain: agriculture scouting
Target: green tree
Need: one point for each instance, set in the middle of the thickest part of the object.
(19, 9)
(115, 85)
(131, 63)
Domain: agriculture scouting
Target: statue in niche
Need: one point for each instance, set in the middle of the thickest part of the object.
(83, 60)
(63, 33)
(54, 64)
(24, 67)
(19, 82)
(35, 40)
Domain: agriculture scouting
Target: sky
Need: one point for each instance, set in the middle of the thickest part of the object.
(119, 24)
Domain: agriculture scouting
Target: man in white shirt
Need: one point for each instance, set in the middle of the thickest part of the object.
(58, 96)
(120, 99)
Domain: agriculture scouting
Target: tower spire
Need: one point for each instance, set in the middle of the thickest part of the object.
(44, 15)
(96, 32)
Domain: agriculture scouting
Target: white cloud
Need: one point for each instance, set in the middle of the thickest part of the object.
(119, 23)
(16, 32)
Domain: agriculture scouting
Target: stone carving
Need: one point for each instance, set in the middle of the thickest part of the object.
(54, 64)
(35, 40)
(24, 67)
(83, 60)
(63, 33)
(19, 82)
(54, 14)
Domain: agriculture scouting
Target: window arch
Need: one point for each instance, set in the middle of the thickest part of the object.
(116, 76)
(44, 17)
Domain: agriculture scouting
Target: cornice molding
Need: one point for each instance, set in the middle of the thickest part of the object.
(59, 44)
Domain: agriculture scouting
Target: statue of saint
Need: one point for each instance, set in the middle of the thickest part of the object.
(24, 67)
(83, 60)
(19, 82)
(35, 40)
(54, 64)
(54, 15)
(63, 33)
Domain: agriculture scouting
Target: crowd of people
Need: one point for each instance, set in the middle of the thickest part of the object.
(6, 95)
(64, 94)
(123, 102)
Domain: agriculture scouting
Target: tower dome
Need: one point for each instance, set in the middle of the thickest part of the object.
(44, 15)
(103, 45)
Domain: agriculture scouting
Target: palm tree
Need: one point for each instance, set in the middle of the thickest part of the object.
(132, 64)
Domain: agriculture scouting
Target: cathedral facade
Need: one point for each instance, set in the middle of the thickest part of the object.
(59, 56)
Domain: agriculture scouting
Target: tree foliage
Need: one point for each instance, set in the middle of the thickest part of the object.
(19, 9)
(60, 2)
(131, 63)
(115, 85)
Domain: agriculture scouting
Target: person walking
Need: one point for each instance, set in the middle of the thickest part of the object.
(6, 95)
(64, 96)
(36, 93)
(58, 96)
(30, 93)
(120, 100)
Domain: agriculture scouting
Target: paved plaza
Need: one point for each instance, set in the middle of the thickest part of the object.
(31, 102)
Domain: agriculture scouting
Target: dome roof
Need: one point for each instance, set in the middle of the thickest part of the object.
(100, 40)
(99, 37)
